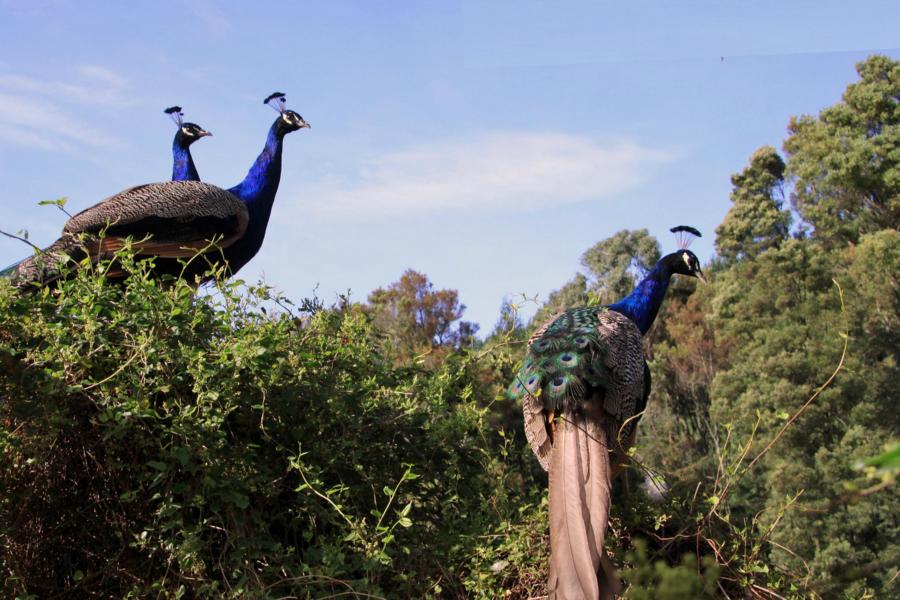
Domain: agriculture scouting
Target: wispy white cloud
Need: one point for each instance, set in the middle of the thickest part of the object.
(94, 85)
(492, 172)
(22, 136)
(43, 118)
(102, 73)
(210, 14)
(37, 113)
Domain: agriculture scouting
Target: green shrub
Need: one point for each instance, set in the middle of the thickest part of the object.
(155, 442)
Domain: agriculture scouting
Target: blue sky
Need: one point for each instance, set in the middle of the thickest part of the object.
(485, 143)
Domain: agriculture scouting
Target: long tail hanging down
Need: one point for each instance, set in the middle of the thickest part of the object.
(579, 512)
(585, 367)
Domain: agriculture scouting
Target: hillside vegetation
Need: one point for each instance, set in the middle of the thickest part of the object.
(158, 443)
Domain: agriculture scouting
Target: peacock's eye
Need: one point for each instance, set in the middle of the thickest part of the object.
(558, 381)
(566, 357)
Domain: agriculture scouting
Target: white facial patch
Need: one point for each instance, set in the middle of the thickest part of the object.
(687, 260)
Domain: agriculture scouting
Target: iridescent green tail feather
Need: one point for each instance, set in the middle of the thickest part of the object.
(565, 359)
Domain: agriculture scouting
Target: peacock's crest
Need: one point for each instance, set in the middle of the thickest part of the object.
(685, 235)
(277, 100)
(176, 115)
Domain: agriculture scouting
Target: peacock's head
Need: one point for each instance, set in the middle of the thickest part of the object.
(289, 120)
(292, 121)
(685, 262)
(187, 133)
(193, 132)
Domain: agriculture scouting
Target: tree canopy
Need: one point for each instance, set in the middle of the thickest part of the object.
(846, 161)
(756, 220)
(417, 317)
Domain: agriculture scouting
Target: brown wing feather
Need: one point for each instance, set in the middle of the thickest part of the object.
(625, 360)
(175, 201)
(105, 247)
(176, 249)
(173, 219)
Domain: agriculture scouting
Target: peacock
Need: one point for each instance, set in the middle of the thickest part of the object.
(188, 226)
(584, 384)
(183, 168)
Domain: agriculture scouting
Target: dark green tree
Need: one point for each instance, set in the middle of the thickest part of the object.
(756, 220)
(617, 263)
(845, 161)
(784, 315)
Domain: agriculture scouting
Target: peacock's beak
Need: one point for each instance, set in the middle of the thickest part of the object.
(204, 133)
(701, 276)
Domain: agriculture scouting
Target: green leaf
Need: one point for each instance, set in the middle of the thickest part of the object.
(887, 461)
(60, 202)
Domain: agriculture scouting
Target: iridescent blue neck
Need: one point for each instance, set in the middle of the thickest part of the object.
(257, 191)
(258, 188)
(183, 168)
(642, 304)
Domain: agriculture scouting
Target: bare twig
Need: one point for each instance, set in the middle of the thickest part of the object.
(21, 239)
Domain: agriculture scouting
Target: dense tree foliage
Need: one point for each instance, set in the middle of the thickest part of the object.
(158, 444)
(756, 221)
(846, 161)
(617, 263)
(417, 318)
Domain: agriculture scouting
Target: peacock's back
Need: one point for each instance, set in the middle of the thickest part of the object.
(172, 220)
(580, 361)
